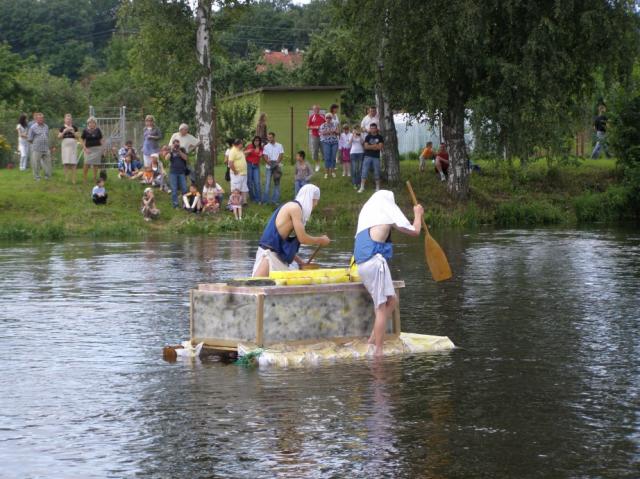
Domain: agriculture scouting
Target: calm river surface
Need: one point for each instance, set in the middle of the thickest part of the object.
(546, 382)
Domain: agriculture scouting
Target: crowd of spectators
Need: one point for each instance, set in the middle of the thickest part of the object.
(166, 167)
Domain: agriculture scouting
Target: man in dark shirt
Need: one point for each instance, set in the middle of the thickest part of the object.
(177, 158)
(373, 144)
(600, 128)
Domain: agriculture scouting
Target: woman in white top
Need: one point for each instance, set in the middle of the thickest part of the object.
(23, 145)
(356, 154)
(69, 135)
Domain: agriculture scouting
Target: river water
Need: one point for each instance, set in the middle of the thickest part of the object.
(545, 383)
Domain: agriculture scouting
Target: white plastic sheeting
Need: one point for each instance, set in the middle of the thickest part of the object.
(287, 355)
(413, 134)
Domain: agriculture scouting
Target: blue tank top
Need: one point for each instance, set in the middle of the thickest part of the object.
(287, 248)
(366, 248)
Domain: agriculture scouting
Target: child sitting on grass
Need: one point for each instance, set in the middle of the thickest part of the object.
(192, 200)
(211, 195)
(235, 201)
(99, 193)
(149, 210)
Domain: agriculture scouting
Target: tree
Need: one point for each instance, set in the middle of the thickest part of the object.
(207, 147)
(527, 63)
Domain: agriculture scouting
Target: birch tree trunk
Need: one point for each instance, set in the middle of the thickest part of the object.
(453, 129)
(204, 126)
(390, 153)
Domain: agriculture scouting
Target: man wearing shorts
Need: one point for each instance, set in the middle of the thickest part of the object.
(238, 170)
(372, 250)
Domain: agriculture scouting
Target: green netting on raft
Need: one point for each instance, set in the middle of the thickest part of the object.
(249, 359)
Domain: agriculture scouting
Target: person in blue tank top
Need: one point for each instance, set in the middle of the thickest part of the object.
(285, 232)
(373, 249)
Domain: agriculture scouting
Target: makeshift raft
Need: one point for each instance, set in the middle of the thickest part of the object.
(300, 322)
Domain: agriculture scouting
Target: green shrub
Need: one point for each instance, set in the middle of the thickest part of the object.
(520, 213)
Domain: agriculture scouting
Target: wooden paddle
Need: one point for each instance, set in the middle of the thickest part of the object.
(436, 259)
(308, 264)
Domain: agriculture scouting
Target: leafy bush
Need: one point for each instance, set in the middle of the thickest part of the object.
(236, 121)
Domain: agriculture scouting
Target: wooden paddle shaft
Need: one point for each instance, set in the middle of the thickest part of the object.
(415, 202)
(313, 255)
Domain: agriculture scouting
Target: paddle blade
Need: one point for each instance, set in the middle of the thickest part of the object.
(436, 259)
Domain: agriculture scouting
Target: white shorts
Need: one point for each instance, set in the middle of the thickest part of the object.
(275, 263)
(239, 182)
(376, 277)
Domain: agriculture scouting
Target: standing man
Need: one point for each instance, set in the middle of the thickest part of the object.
(187, 141)
(272, 154)
(38, 137)
(371, 118)
(238, 170)
(373, 249)
(600, 127)
(315, 121)
(373, 144)
(177, 158)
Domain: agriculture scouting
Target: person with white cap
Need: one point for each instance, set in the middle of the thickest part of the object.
(187, 141)
(372, 250)
(285, 232)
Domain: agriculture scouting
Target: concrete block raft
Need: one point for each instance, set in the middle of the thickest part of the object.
(223, 316)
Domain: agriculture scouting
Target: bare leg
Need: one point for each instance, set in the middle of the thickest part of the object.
(263, 269)
(383, 312)
(95, 173)
(73, 173)
(85, 170)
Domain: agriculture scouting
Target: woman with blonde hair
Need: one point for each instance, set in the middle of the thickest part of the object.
(69, 135)
(151, 140)
(92, 141)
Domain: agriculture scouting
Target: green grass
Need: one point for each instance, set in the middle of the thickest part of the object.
(588, 191)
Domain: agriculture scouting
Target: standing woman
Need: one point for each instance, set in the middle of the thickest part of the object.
(253, 153)
(151, 141)
(329, 141)
(92, 141)
(69, 135)
(261, 128)
(23, 145)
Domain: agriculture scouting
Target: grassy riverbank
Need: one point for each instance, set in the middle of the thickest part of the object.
(588, 191)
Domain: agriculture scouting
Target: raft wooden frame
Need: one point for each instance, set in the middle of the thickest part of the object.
(263, 292)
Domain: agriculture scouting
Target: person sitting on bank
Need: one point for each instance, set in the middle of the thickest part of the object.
(285, 232)
(442, 162)
(192, 200)
(149, 209)
(128, 148)
(126, 168)
(372, 250)
(212, 195)
(99, 193)
(426, 155)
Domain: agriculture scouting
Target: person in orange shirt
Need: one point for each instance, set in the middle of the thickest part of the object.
(427, 154)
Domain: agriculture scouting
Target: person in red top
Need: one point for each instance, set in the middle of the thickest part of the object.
(253, 154)
(442, 161)
(315, 121)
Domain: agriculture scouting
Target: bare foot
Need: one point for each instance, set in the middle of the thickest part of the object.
(372, 339)
(378, 354)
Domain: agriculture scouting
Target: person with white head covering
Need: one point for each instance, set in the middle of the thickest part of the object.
(285, 232)
(187, 141)
(373, 249)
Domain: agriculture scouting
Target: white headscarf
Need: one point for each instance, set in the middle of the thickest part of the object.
(381, 209)
(305, 197)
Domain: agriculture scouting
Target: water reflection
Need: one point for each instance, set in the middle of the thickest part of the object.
(545, 384)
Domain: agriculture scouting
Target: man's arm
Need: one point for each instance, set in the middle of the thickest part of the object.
(301, 234)
(418, 212)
